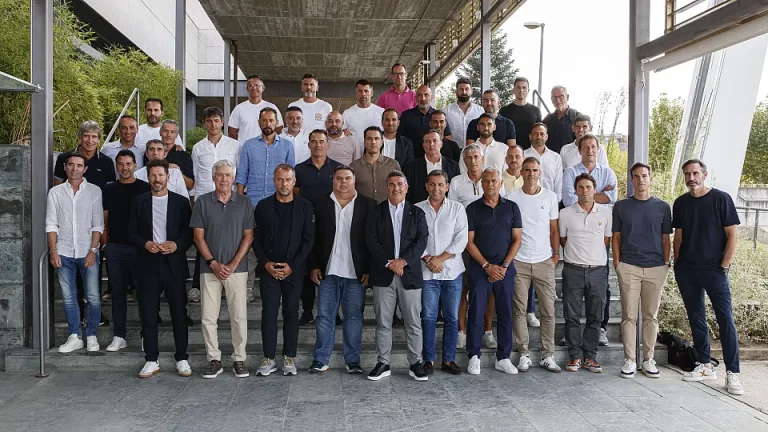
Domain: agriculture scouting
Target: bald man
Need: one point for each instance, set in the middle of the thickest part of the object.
(342, 148)
(414, 123)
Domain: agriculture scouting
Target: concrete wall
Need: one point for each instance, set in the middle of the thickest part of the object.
(15, 248)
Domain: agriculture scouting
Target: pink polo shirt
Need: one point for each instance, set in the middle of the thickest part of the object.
(399, 101)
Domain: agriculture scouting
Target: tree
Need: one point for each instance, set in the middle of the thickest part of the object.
(666, 118)
(601, 108)
(621, 103)
(503, 72)
(444, 96)
(756, 158)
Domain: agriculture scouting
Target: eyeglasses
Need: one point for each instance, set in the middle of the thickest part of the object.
(399, 73)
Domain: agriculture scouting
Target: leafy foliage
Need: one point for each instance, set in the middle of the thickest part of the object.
(503, 71)
(194, 135)
(666, 118)
(756, 158)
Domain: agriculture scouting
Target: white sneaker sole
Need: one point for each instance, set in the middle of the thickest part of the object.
(266, 373)
(651, 375)
(113, 348)
(700, 378)
(735, 392)
(383, 375)
(149, 375)
(290, 372)
(413, 375)
(512, 372)
(69, 350)
(93, 348)
(553, 370)
(184, 373)
(214, 375)
(627, 375)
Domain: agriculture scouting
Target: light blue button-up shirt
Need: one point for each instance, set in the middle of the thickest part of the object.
(256, 170)
(602, 174)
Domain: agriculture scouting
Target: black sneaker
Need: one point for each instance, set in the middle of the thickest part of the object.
(213, 370)
(354, 368)
(417, 372)
(240, 370)
(339, 321)
(380, 371)
(306, 319)
(451, 368)
(318, 367)
(103, 322)
(429, 367)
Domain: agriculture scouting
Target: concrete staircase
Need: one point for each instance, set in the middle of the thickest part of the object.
(25, 359)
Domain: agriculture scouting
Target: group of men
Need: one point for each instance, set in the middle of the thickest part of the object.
(460, 212)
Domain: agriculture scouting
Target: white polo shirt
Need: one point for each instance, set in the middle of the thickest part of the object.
(313, 114)
(494, 156)
(465, 191)
(551, 170)
(585, 234)
(245, 118)
(537, 211)
(458, 121)
(571, 156)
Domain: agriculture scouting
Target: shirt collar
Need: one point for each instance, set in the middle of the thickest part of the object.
(439, 162)
(333, 197)
(215, 197)
(578, 208)
(407, 90)
(82, 185)
(397, 207)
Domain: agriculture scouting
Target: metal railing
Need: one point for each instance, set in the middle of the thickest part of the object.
(135, 92)
(41, 315)
(747, 223)
(543, 103)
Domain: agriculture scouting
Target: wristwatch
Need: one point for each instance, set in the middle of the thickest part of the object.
(505, 265)
(210, 261)
(95, 250)
(726, 270)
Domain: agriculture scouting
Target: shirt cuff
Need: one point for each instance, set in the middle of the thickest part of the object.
(99, 229)
(52, 228)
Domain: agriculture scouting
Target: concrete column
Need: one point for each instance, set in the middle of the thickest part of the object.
(191, 120)
(639, 33)
(485, 46)
(180, 59)
(227, 83)
(431, 56)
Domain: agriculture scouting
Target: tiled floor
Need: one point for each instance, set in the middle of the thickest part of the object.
(336, 401)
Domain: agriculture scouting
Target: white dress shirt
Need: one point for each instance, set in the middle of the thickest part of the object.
(73, 217)
(340, 263)
(494, 156)
(571, 156)
(447, 233)
(458, 121)
(585, 234)
(551, 170)
(159, 218)
(113, 148)
(300, 145)
(205, 154)
(175, 180)
(396, 214)
(465, 191)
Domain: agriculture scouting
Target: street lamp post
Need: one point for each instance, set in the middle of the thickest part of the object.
(534, 25)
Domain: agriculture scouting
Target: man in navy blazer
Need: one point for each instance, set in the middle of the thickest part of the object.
(417, 171)
(159, 228)
(397, 237)
(283, 236)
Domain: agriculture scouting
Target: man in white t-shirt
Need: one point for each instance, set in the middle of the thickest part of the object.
(535, 262)
(153, 110)
(494, 152)
(294, 119)
(364, 114)
(314, 110)
(244, 120)
(156, 151)
(570, 155)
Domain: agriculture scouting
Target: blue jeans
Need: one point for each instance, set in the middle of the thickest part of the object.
(531, 295)
(693, 283)
(67, 279)
(332, 291)
(449, 292)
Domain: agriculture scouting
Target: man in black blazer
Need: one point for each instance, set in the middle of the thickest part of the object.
(159, 229)
(416, 172)
(403, 151)
(283, 236)
(339, 265)
(397, 236)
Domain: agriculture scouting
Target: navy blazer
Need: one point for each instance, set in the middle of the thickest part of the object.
(176, 227)
(381, 243)
(416, 173)
(302, 233)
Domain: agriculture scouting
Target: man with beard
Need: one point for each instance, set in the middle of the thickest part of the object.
(314, 110)
(396, 146)
(415, 121)
(260, 156)
(284, 233)
(399, 96)
(372, 169)
(551, 163)
(156, 151)
(493, 151)
(153, 111)
(245, 120)
(176, 155)
(342, 148)
(363, 114)
(128, 127)
(512, 176)
(450, 148)
(582, 125)
(294, 119)
(504, 131)
(159, 229)
(560, 123)
(460, 113)
(522, 114)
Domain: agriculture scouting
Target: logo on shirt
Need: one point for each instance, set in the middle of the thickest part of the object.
(542, 207)
(599, 224)
(318, 117)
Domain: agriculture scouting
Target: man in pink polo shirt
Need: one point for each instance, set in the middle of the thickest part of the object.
(399, 97)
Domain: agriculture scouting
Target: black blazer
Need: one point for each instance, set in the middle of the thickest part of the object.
(176, 227)
(381, 243)
(325, 219)
(451, 149)
(416, 173)
(403, 150)
(302, 233)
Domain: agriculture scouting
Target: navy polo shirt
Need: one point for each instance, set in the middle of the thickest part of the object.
(414, 124)
(505, 130)
(315, 182)
(101, 169)
(493, 227)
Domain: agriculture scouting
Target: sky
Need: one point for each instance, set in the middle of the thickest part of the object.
(586, 44)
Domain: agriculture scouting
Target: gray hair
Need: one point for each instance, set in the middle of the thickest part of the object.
(695, 161)
(559, 87)
(491, 170)
(223, 163)
(470, 149)
(173, 122)
(89, 126)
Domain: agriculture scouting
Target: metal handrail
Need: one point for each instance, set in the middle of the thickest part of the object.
(127, 103)
(537, 95)
(41, 314)
(757, 221)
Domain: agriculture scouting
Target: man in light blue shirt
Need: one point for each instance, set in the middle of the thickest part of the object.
(605, 192)
(260, 156)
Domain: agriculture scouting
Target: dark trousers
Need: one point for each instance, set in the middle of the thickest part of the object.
(152, 281)
(531, 295)
(606, 311)
(693, 283)
(120, 260)
(479, 291)
(308, 295)
(271, 291)
(196, 274)
(583, 289)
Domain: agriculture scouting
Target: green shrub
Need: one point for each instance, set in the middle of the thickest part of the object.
(194, 135)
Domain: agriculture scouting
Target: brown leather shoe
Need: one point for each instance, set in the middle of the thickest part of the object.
(451, 368)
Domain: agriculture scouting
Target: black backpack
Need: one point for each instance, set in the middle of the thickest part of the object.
(681, 352)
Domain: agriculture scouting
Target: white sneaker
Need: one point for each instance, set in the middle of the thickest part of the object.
(474, 366)
(629, 369)
(506, 366)
(489, 341)
(249, 295)
(461, 342)
(700, 373)
(532, 320)
(603, 338)
(524, 363)
(149, 369)
(193, 295)
(183, 368)
(117, 344)
(73, 343)
(92, 344)
(550, 364)
(650, 370)
(732, 383)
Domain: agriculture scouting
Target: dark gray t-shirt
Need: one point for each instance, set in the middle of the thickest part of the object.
(224, 225)
(641, 224)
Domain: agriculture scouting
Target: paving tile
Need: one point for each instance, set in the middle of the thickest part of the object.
(617, 421)
(678, 420)
(737, 421)
(547, 420)
(376, 421)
